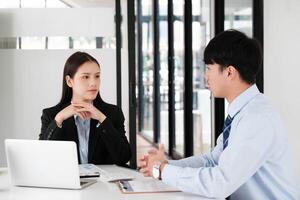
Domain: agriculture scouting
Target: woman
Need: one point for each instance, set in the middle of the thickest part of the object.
(82, 116)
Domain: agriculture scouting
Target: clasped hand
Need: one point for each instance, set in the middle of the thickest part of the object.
(82, 109)
(147, 161)
(86, 110)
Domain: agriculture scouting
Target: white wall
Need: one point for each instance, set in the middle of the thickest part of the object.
(16, 22)
(282, 65)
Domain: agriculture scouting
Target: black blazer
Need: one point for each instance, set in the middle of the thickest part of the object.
(107, 142)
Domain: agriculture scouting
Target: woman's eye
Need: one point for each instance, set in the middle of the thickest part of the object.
(85, 77)
(97, 76)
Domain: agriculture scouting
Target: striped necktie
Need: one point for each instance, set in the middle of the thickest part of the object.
(226, 130)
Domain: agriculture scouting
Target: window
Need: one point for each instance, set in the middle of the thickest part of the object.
(201, 95)
(147, 72)
(164, 73)
(178, 7)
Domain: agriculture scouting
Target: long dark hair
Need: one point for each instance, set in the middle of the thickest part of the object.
(72, 64)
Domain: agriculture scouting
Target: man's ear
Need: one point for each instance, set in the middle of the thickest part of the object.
(231, 72)
(69, 81)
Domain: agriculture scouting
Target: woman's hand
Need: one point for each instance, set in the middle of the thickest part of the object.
(67, 112)
(88, 110)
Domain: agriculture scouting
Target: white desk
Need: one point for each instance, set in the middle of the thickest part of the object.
(98, 191)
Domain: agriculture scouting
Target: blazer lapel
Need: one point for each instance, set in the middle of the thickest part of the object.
(92, 139)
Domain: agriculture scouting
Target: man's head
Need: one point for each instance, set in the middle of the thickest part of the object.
(233, 60)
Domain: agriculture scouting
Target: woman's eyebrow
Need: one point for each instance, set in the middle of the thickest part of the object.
(88, 73)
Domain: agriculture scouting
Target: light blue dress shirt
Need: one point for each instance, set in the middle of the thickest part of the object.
(83, 129)
(255, 165)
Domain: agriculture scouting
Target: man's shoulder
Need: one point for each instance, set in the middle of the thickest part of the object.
(260, 112)
(260, 106)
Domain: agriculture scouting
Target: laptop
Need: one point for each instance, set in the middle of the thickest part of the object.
(44, 163)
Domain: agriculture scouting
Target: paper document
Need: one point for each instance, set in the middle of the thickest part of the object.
(145, 186)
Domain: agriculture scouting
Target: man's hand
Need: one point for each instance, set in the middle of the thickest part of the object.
(148, 161)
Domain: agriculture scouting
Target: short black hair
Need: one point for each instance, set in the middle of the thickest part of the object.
(234, 48)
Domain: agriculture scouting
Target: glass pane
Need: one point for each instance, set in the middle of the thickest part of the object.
(84, 42)
(108, 42)
(58, 42)
(163, 9)
(179, 75)
(33, 43)
(146, 7)
(201, 95)
(178, 7)
(164, 73)
(147, 48)
(239, 16)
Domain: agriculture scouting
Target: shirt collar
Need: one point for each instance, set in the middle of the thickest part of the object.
(240, 101)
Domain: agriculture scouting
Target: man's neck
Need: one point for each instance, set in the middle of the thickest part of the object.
(236, 91)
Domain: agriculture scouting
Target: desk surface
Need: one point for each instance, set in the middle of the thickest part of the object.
(99, 190)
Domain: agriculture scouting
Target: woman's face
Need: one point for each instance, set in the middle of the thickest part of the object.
(86, 82)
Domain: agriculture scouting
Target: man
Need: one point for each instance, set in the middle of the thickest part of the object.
(251, 159)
